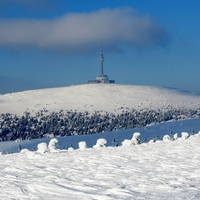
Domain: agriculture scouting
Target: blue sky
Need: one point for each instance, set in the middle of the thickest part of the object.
(48, 43)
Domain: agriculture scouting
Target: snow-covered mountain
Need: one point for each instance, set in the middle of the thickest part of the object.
(96, 97)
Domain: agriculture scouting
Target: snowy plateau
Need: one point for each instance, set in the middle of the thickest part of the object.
(161, 161)
(96, 97)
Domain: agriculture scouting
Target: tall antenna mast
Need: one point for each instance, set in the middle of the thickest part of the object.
(101, 58)
(102, 78)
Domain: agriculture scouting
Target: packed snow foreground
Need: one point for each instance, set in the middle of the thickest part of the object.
(165, 169)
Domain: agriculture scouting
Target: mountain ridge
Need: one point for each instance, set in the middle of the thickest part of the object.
(97, 97)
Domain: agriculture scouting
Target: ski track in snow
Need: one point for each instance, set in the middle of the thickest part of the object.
(162, 170)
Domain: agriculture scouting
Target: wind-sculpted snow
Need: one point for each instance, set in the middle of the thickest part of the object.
(153, 171)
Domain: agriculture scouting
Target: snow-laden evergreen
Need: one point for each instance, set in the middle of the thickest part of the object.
(100, 143)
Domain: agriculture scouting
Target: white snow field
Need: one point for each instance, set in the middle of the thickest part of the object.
(99, 97)
(167, 170)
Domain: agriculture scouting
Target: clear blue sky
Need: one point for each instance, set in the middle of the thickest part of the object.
(48, 43)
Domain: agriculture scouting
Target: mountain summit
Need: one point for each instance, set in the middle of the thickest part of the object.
(97, 97)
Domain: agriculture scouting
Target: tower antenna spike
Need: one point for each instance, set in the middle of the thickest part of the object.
(101, 58)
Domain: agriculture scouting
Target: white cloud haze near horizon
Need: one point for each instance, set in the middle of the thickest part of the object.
(75, 32)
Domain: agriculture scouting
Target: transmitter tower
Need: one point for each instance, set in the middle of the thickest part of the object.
(102, 78)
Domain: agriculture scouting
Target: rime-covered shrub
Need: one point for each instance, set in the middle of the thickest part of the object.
(100, 143)
(167, 138)
(42, 148)
(52, 145)
(184, 135)
(82, 145)
(136, 138)
(151, 141)
(127, 143)
(134, 141)
(24, 151)
(175, 136)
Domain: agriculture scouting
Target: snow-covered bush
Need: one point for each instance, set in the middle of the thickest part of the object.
(134, 141)
(52, 145)
(158, 141)
(167, 138)
(42, 147)
(70, 149)
(136, 138)
(100, 143)
(127, 143)
(24, 151)
(82, 145)
(175, 136)
(184, 135)
(151, 141)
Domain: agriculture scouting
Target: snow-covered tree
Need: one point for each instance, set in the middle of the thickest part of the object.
(100, 143)
(136, 138)
(167, 138)
(134, 141)
(184, 135)
(82, 145)
(175, 136)
(52, 145)
(42, 148)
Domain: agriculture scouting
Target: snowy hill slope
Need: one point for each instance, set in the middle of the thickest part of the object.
(154, 171)
(113, 138)
(99, 97)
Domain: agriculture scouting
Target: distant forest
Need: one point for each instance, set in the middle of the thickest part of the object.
(66, 123)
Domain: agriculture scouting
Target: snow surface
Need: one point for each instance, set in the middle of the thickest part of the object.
(154, 171)
(99, 97)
